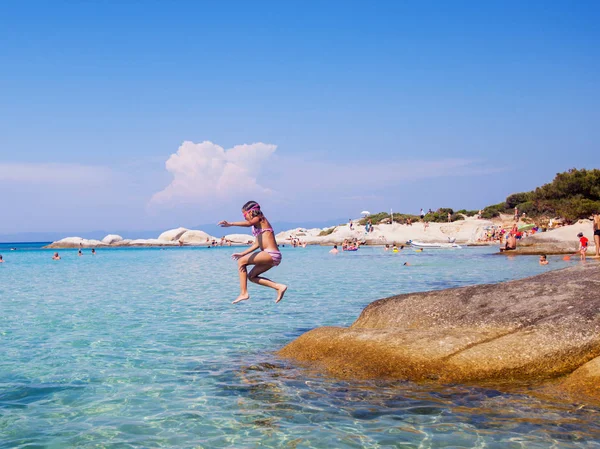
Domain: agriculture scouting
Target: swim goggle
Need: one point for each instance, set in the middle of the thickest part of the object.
(257, 207)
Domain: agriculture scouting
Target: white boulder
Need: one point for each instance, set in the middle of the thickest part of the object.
(172, 235)
(151, 242)
(112, 238)
(76, 242)
(195, 237)
(239, 239)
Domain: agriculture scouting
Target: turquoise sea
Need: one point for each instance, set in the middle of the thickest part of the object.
(141, 348)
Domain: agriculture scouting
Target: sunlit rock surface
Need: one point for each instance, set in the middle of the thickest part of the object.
(536, 328)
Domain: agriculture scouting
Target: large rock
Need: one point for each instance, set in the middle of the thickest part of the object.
(172, 235)
(195, 237)
(561, 240)
(75, 242)
(240, 239)
(536, 328)
(584, 381)
(151, 242)
(112, 238)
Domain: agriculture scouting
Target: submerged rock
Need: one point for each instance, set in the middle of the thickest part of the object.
(536, 328)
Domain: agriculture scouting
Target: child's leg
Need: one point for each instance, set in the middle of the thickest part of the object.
(243, 272)
(263, 262)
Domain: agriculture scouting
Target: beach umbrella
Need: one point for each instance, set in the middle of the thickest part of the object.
(365, 212)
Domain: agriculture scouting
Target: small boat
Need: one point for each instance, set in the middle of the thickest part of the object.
(423, 245)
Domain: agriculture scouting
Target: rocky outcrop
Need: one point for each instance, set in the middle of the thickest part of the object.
(111, 239)
(240, 239)
(584, 381)
(150, 242)
(561, 240)
(172, 235)
(194, 237)
(76, 242)
(463, 232)
(536, 328)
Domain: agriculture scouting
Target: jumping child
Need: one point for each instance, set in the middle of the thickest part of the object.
(268, 257)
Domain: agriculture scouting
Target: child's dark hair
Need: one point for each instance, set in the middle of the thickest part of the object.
(253, 208)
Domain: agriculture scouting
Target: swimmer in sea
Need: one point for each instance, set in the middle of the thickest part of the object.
(56, 257)
(268, 257)
(1, 259)
(79, 253)
(93, 251)
(334, 250)
(543, 260)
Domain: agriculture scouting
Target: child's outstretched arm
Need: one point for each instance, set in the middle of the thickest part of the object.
(244, 224)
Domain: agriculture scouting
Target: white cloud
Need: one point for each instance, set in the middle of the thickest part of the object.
(53, 174)
(206, 170)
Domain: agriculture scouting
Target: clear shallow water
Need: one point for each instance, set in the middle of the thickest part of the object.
(141, 348)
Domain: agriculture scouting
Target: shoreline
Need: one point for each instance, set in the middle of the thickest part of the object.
(470, 232)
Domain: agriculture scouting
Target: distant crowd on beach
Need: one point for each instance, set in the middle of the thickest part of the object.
(498, 234)
(212, 243)
(511, 238)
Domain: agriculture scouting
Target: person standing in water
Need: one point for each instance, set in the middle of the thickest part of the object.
(268, 257)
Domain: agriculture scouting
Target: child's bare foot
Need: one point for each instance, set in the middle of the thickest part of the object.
(241, 298)
(280, 292)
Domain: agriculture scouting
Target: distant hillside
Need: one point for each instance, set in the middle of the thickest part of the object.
(571, 195)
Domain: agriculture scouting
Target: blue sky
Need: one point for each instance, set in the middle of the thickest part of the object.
(350, 105)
